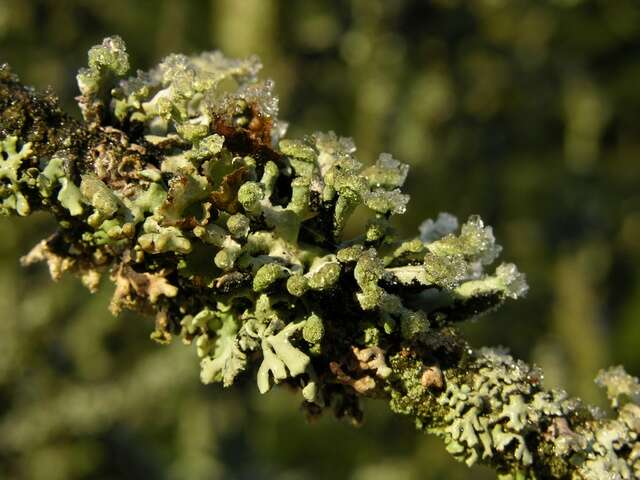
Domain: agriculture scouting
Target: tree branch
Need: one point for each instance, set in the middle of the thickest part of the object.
(179, 185)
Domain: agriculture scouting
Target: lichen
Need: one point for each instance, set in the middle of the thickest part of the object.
(11, 160)
(180, 186)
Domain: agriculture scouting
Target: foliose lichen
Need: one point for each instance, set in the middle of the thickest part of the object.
(181, 186)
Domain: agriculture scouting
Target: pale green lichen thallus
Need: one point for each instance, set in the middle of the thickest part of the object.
(181, 186)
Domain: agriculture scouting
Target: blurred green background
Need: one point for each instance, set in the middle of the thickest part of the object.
(525, 112)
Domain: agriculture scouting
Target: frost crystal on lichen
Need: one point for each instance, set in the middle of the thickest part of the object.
(180, 187)
(208, 207)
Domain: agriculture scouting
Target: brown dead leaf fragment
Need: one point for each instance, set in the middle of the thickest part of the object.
(146, 286)
(42, 253)
(226, 197)
(90, 273)
(253, 139)
(186, 196)
(361, 385)
(260, 127)
(158, 285)
(372, 358)
(245, 118)
(161, 334)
